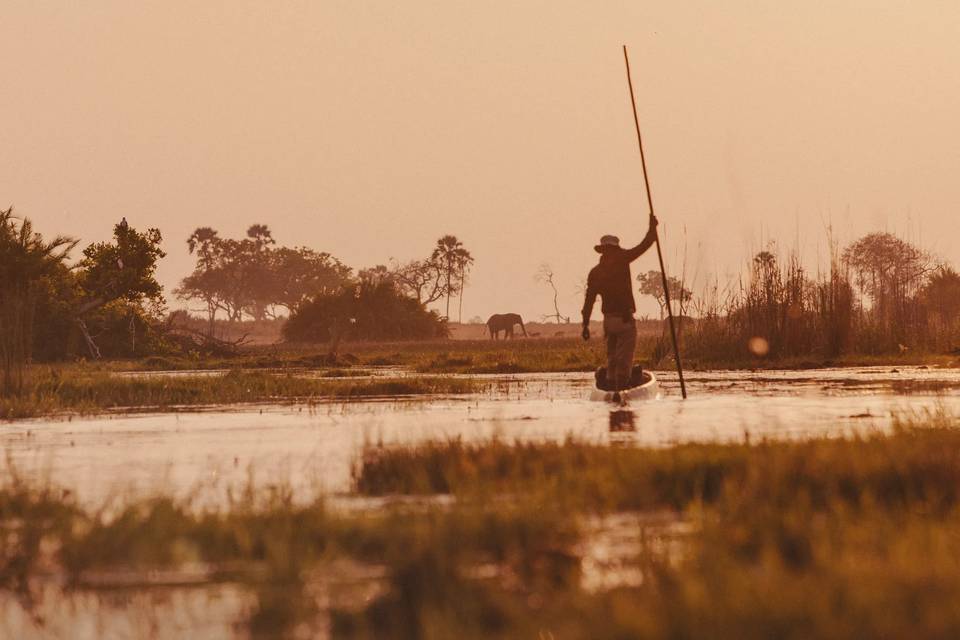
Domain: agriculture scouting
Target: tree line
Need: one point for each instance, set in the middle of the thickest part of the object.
(255, 278)
(109, 303)
(387, 303)
(880, 294)
(50, 309)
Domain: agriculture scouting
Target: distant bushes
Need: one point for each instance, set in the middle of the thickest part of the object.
(253, 277)
(370, 310)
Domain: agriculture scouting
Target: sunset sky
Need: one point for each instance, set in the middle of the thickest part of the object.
(369, 129)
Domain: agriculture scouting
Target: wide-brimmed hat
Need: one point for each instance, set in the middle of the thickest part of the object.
(605, 242)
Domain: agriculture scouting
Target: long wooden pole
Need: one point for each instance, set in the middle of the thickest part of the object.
(663, 271)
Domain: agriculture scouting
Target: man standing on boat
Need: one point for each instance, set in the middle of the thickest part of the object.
(612, 281)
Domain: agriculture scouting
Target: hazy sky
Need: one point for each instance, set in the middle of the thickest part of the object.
(368, 129)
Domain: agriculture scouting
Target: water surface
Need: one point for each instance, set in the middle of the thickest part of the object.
(313, 447)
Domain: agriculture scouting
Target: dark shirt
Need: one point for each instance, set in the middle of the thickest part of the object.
(611, 280)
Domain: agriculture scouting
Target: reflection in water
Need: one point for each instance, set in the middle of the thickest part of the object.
(207, 611)
(613, 545)
(622, 420)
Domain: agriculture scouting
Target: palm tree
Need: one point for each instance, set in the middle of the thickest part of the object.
(455, 259)
(25, 261)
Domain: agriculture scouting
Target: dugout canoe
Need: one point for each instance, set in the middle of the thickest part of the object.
(647, 387)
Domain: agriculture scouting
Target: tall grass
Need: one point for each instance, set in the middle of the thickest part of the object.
(911, 465)
(843, 538)
(879, 296)
(779, 312)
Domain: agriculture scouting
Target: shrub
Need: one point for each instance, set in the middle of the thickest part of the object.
(368, 311)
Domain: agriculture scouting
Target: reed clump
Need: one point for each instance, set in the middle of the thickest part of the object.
(885, 469)
(879, 296)
(844, 538)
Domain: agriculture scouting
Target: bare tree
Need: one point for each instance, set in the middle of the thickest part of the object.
(545, 274)
(421, 279)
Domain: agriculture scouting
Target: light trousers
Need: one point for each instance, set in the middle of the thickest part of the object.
(621, 335)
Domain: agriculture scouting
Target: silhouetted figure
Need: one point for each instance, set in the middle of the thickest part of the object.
(123, 224)
(611, 280)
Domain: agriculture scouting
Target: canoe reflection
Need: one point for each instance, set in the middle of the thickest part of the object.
(622, 420)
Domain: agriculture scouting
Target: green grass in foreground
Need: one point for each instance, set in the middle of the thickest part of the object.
(845, 538)
(89, 392)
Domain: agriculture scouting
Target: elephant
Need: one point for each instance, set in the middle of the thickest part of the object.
(504, 322)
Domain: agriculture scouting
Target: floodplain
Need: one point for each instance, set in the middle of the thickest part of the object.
(373, 498)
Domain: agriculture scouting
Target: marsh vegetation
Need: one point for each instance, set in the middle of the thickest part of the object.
(849, 536)
(880, 299)
(879, 296)
(846, 537)
(55, 391)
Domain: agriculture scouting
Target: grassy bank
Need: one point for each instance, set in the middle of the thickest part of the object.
(843, 538)
(516, 356)
(77, 390)
(573, 354)
(437, 356)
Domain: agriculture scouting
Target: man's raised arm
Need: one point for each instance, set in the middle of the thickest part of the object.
(646, 243)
